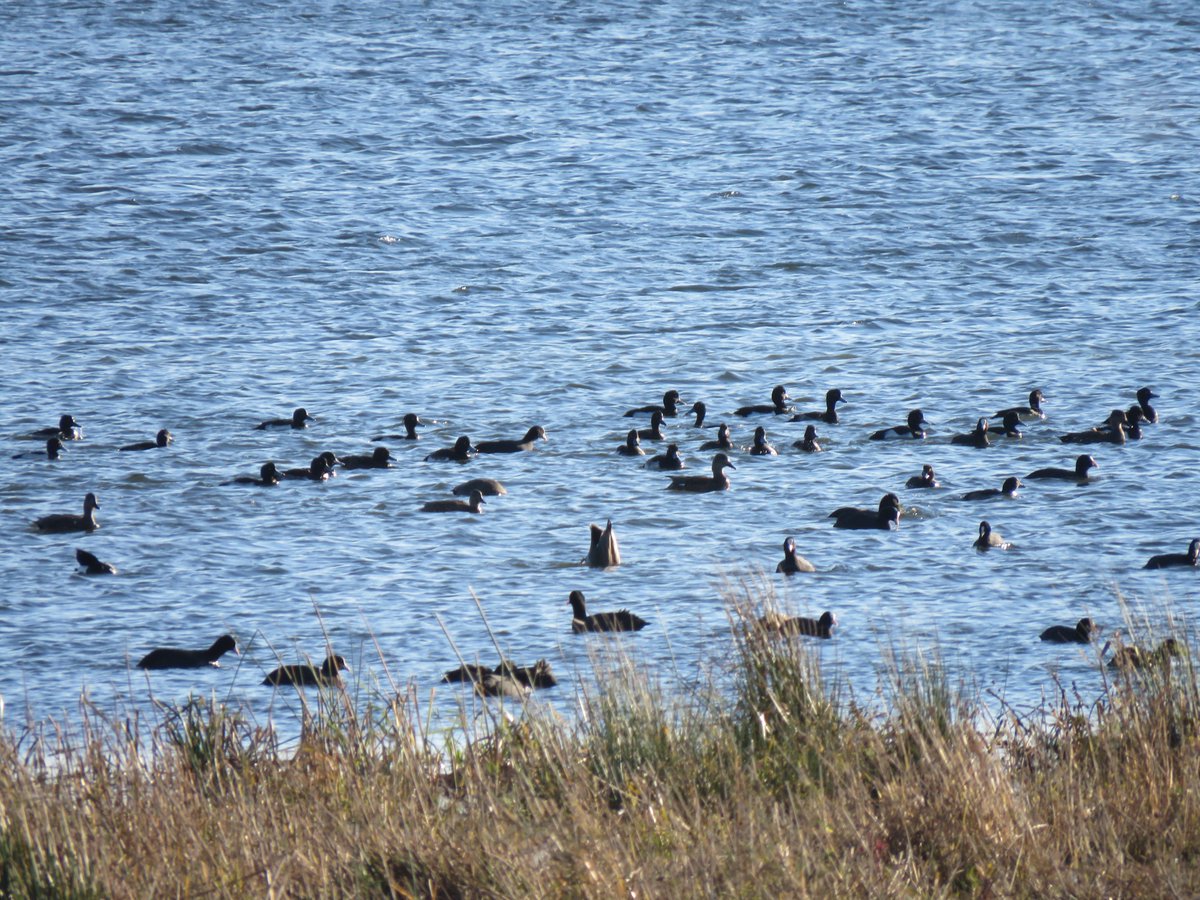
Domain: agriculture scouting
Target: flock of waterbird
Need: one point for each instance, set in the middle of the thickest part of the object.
(508, 679)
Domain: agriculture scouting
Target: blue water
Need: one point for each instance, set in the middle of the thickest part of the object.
(523, 213)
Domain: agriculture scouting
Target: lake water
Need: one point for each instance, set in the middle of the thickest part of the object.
(521, 213)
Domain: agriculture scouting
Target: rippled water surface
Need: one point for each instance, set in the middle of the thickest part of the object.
(514, 213)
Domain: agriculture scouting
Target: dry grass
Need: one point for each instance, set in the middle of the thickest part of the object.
(775, 787)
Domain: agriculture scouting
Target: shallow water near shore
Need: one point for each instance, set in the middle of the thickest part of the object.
(537, 214)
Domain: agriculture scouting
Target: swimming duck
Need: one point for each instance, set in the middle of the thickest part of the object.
(914, 429)
(460, 452)
(666, 462)
(632, 445)
(539, 675)
(1168, 560)
(793, 625)
(829, 415)
(670, 404)
(67, 430)
(1112, 432)
(778, 395)
(760, 447)
(1144, 396)
(701, 411)
(655, 431)
(93, 566)
(1133, 426)
(54, 447)
(173, 658)
(319, 469)
(493, 685)
(1026, 413)
(1082, 633)
(603, 550)
(927, 479)
(308, 674)
(162, 439)
(793, 562)
(467, 672)
(808, 443)
(700, 484)
(621, 620)
(977, 438)
(300, 419)
(411, 423)
(723, 441)
(1007, 489)
(379, 458)
(537, 432)
(1079, 474)
(489, 487)
(1011, 426)
(990, 540)
(885, 518)
(474, 505)
(61, 523)
(269, 476)
(1140, 657)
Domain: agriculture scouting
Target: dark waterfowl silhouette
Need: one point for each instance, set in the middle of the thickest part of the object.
(603, 550)
(174, 658)
(162, 439)
(632, 445)
(777, 405)
(92, 565)
(885, 518)
(1083, 464)
(655, 431)
(411, 422)
(379, 458)
(468, 672)
(1082, 633)
(539, 675)
(1133, 426)
(300, 419)
(700, 484)
(760, 447)
(1007, 489)
(532, 436)
(460, 452)
(701, 411)
(1011, 427)
(54, 447)
(62, 523)
(808, 443)
(989, 539)
(1140, 657)
(493, 685)
(1112, 432)
(620, 620)
(792, 561)
(1170, 560)
(666, 462)
(268, 476)
(799, 625)
(723, 441)
(66, 430)
(489, 487)
(320, 469)
(914, 429)
(829, 414)
(1026, 413)
(306, 674)
(474, 505)
(977, 438)
(670, 406)
(927, 479)
(1144, 396)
